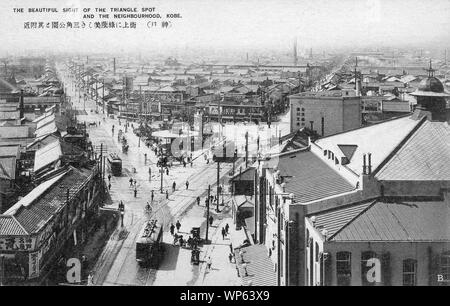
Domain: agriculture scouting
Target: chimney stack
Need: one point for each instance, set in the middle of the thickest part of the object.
(21, 105)
(114, 65)
(364, 164)
(369, 162)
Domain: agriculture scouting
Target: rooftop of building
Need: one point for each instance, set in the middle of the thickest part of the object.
(34, 210)
(309, 178)
(424, 156)
(395, 221)
(379, 139)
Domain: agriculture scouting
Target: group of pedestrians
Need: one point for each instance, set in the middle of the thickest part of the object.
(225, 231)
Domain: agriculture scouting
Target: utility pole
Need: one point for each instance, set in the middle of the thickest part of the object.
(246, 149)
(96, 94)
(207, 212)
(103, 95)
(162, 174)
(218, 185)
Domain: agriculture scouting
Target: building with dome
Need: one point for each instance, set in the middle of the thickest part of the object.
(431, 98)
(369, 206)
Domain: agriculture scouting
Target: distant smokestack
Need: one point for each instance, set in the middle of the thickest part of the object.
(369, 161)
(21, 105)
(114, 65)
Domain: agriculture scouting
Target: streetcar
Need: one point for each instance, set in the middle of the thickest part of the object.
(115, 164)
(149, 246)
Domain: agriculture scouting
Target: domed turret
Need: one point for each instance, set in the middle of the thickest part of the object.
(431, 84)
(431, 98)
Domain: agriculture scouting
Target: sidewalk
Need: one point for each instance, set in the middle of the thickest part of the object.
(222, 272)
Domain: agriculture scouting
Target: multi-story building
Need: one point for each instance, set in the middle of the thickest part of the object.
(47, 222)
(327, 112)
(364, 207)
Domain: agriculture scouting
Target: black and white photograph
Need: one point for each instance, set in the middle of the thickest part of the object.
(222, 148)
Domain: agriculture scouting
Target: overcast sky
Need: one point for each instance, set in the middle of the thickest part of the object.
(237, 24)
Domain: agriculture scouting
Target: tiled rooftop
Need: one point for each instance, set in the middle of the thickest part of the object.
(412, 221)
(310, 178)
(425, 156)
(43, 205)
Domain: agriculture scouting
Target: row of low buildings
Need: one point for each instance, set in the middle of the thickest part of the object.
(367, 206)
(51, 185)
(162, 92)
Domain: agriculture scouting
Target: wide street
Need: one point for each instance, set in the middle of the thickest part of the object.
(117, 265)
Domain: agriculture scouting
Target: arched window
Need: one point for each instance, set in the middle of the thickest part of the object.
(343, 268)
(409, 272)
(365, 256)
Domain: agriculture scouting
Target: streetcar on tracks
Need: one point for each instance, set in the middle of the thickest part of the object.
(149, 247)
(115, 164)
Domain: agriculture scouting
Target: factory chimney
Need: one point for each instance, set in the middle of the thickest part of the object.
(21, 105)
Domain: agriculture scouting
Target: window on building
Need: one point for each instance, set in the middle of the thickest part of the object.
(365, 256)
(303, 114)
(298, 123)
(303, 119)
(303, 124)
(444, 265)
(303, 109)
(298, 108)
(343, 268)
(317, 252)
(409, 272)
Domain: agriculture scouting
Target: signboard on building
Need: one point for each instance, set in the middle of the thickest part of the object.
(33, 265)
(17, 243)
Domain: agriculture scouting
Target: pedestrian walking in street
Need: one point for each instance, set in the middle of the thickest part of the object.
(198, 201)
(135, 183)
(209, 263)
(153, 195)
(135, 192)
(172, 229)
(211, 219)
(167, 171)
(223, 233)
(109, 177)
(178, 225)
(167, 194)
(241, 255)
(231, 248)
(184, 163)
(109, 186)
(131, 182)
(145, 158)
(174, 185)
(192, 163)
(187, 185)
(244, 266)
(227, 227)
(230, 257)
